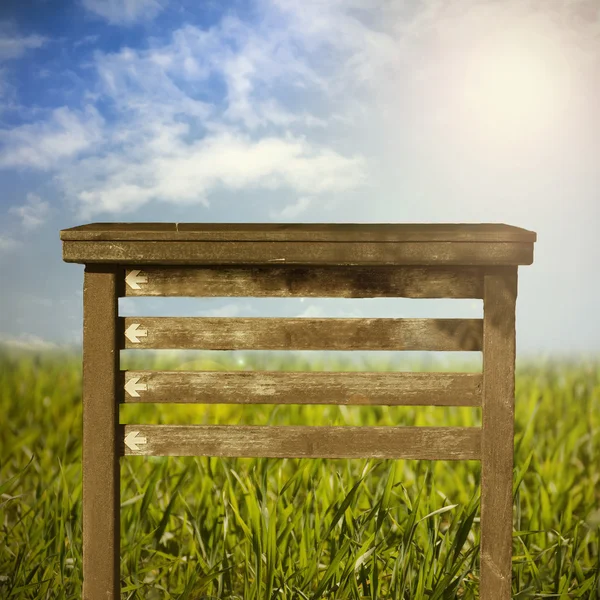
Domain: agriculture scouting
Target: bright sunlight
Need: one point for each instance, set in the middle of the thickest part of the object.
(517, 84)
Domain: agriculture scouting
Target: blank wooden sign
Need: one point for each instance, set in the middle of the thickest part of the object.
(297, 260)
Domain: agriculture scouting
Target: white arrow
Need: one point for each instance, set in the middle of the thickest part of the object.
(134, 278)
(132, 387)
(132, 333)
(131, 441)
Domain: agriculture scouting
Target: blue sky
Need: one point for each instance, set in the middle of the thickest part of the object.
(313, 111)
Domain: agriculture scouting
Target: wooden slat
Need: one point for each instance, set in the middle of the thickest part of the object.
(236, 333)
(313, 387)
(300, 253)
(345, 282)
(307, 232)
(101, 483)
(245, 441)
(498, 434)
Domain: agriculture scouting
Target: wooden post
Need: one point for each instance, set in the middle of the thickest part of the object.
(499, 298)
(101, 473)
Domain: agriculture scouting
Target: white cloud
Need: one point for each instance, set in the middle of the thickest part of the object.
(125, 12)
(291, 211)
(26, 341)
(13, 45)
(7, 244)
(172, 144)
(86, 40)
(231, 309)
(172, 170)
(32, 214)
(4, 85)
(177, 138)
(45, 144)
(318, 311)
(147, 86)
(254, 65)
(311, 311)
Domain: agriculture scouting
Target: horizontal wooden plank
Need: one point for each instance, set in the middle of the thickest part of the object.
(239, 333)
(263, 441)
(300, 253)
(289, 281)
(307, 232)
(311, 387)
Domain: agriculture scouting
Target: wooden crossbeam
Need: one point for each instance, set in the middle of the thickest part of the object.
(290, 281)
(312, 387)
(247, 441)
(237, 333)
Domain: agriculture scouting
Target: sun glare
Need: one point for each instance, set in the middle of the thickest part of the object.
(516, 85)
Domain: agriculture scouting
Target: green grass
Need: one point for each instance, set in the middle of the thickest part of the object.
(299, 529)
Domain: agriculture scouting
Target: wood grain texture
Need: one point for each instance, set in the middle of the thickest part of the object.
(239, 333)
(497, 434)
(245, 441)
(101, 474)
(289, 281)
(313, 387)
(305, 232)
(299, 253)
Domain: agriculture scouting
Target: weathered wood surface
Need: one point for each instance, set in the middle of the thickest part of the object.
(245, 441)
(252, 260)
(310, 387)
(299, 253)
(239, 333)
(289, 281)
(301, 232)
(497, 434)
(101, 474)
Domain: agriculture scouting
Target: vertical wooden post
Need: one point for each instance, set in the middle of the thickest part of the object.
(499, 299)
(101, 472)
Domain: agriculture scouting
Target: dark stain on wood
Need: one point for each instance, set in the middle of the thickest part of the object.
(321, 282)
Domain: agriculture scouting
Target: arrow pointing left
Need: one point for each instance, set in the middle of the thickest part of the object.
(132, 441)
(132, 333)
(132, 387)
(134, 278)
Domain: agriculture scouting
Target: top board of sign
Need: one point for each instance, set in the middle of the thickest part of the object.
(372, 244)
(299, 232)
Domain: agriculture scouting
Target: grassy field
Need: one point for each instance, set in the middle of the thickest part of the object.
(299, 529)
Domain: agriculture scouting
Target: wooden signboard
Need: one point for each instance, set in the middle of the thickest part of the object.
(297, 260)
